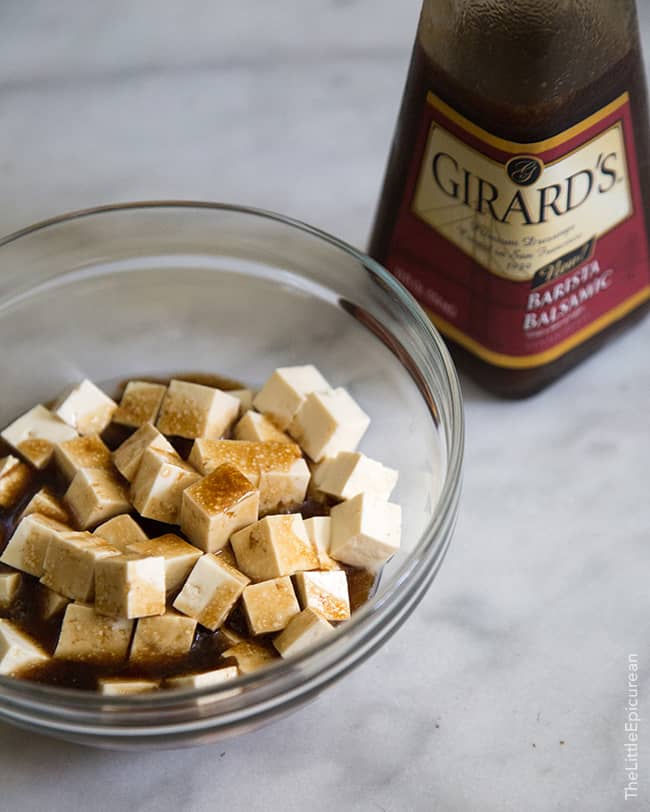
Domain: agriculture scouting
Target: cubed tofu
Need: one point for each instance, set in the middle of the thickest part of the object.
(94, 496)
(351, 473)
(218, 505)
(88, 637)
(140, 404)
(365, 531)
(245, 398)
(179, 557)
(211, 591)
(269, 605)
(305, 630)
(130, 586)
(69, 565)
(273, 547)
(327, 423)
(85, 408)
(285, 391)
(122, 532)
(157, 489)
(326, 592)
(127, 687)
(28, 545)
(162, 638)
(82, 452)
(204, 679)
(18, 651)
(230, 637)
(257, 428)
(319, 531)
(46, 503)
(14, 480)
(128, 456)
(318, 472)
(10, 582)
(52, 604)
(35, 434)
(250, 656)
(192, 410)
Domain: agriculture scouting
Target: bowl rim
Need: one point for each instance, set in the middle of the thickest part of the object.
(423, 559)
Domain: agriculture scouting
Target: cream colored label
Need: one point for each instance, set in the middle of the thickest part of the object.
(524, 218)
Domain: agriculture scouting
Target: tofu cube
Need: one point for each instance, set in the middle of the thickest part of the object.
(273, 547)
(318, 473)
(46, 503)
(28, 545)
(14, 480)
(250, 656)
(245, 398)
(18, 651)
(305, 630)
(52, 604)
(179, 557)
(211, 591)
(130, 586)
(284, 489)
(327, 423)
(70, 561)
(204, 679)
(365, 531)
(216, 506)
(351, 473)
(270, 605)
(35, 434)
(285, 391)
(326, 592)
(168, 637)
(10, 582)
(319, 531)
(94, 496)
(86, 408)
(192, 410)
(82, 452)
(257, 428)
(128, 456)
(88, 637)
(157, 489)
(140, 404)
(230, 637)
(127, 687)
(122, 532)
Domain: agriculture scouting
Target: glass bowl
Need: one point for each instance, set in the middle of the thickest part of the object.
(164, 287)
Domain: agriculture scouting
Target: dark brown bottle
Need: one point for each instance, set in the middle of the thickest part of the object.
(515, 204)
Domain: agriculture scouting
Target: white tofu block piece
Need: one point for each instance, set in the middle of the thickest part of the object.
(192, 410)
(326, 592)
(14, 479)
(7, 464)
(327, 423)
(216, 506)
(273, 547)
(122, 532)
(28, 545)
(365, 531)
(157, 489)
(318, 473)
(285, 391)
(86, 408)
(140, 404)
(211, 591)
(203, 680)
(10, 582)
(35, 434)
(162, 638)
(226, 554)
(52, 604)
(130, 586)
(250, 656)
(305, 630)
(70, 561)
(245, 398)
(257, 428)
(351, 473)
(46, 503)
(270, 605)
(94, 496)
(179, 557)
(230, 637)
(128, 456)
(82, 452)
(18, 651)
(127, 687)
(319, 531)
(88, 637)
(284, 489)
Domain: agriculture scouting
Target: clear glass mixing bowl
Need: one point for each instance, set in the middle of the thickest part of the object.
(157, 288)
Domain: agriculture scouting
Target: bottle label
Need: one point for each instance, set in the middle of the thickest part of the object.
(520, 252)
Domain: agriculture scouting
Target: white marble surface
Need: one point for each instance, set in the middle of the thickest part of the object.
(505, 691)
